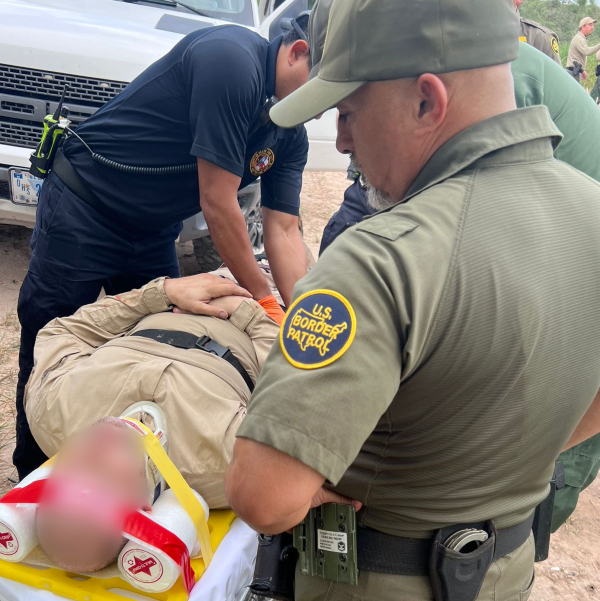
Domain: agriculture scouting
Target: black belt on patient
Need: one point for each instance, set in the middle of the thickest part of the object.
(185, 340)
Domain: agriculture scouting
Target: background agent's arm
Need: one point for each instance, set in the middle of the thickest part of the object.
(219, 203)
(588, 426)
(285, 250)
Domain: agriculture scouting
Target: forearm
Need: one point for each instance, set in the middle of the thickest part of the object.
(286, 254)
(269, 490)
(589, 425)
(229, 233)
(95, 324)
(589, 50)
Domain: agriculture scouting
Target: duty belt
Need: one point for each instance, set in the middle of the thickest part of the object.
(188, 341)
(388, 554)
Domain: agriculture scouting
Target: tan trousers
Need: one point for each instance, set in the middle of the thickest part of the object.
(508, 579)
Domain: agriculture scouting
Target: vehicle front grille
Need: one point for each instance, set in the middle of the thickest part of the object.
(23, 126)
(47, 85)
(20, 134)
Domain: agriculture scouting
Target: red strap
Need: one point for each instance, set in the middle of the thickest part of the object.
(137, 525)
(30, 494)
(140, 526)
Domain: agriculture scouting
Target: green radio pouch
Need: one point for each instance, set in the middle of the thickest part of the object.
(326, 543)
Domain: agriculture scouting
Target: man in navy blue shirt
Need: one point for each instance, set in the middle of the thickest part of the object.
(204, 106)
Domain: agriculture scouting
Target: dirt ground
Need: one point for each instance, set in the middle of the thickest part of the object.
(572, 572)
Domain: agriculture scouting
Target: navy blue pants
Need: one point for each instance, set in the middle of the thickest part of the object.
(75, 253)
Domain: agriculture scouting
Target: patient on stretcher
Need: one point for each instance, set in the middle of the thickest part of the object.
(131, 356)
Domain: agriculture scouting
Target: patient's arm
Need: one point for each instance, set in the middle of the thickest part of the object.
(251, 318)
(67, 340)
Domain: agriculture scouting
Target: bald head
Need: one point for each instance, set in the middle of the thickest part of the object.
(98, 477)
(392, 128)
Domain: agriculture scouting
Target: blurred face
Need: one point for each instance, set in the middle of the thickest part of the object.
(518, 3)
(98, 477)
(375, 125)
(587, 30)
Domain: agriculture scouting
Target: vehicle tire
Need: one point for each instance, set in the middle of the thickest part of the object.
(207, 256)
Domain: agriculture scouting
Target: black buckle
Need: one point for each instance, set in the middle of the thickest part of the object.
(207, 344)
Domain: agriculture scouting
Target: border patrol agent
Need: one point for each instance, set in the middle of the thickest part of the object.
(537, 81)
(579, 49)
(539, 36)
(97, 226)
(421, 368)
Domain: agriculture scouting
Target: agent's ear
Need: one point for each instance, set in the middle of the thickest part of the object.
(433, 101)
(298, 50)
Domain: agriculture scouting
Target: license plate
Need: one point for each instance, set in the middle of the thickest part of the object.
(24, 188)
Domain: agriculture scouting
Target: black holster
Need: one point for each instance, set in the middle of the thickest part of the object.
(275, 569)
(542, 521)
(455, 575)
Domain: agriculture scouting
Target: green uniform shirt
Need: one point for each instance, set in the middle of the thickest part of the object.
(440, 354)
(542, 38)
(538, 81)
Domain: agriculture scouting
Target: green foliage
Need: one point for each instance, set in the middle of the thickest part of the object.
(562, 16)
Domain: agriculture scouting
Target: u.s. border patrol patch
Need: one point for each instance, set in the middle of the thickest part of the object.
(261, 162)
(554, 45)
(318, 329)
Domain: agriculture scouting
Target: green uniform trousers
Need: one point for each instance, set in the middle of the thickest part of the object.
(581, 464)
(510, 578)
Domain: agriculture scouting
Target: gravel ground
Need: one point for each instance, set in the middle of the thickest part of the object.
(572, 572)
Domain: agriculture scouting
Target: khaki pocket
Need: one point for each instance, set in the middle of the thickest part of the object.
(524, 595)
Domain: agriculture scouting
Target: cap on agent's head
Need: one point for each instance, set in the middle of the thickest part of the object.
(317, 32)
(376, 40)
(587, 21)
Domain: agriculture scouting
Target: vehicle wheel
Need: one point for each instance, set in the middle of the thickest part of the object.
(207, 256)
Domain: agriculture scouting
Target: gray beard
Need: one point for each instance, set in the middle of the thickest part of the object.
(377, 199)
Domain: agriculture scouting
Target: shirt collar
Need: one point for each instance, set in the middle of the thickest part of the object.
(272, 53)
(526, 134)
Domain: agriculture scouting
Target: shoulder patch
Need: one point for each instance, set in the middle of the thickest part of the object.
(554, 45)
(261, 162)
(387, 227)
(318, 329)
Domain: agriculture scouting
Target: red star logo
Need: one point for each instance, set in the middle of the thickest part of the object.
(142, 565)
(5, 539)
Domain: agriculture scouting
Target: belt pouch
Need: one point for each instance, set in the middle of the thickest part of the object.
(275, 570)
(455, 575)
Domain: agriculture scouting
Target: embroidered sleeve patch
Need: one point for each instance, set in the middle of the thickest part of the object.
(554, 45)
(318, 329)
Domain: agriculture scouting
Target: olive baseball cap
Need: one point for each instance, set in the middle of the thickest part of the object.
(586, 21)
(376, 40)
(317, 32)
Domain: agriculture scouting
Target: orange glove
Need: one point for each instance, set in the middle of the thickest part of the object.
(272, 308)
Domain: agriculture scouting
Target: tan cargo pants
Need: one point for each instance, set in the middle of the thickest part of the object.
(508, 579)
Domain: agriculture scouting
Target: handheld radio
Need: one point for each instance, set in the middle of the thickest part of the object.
(54, 128)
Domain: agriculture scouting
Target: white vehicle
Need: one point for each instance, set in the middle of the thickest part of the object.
(98, 47)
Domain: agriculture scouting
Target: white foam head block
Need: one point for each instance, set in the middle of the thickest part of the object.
(148, 568)
(17, 523)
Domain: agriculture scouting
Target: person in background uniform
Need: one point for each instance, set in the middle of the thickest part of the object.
(421, 369)
(539, 36)
(204, 104)
(131, 355)
(579, 49)
(537, 81)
